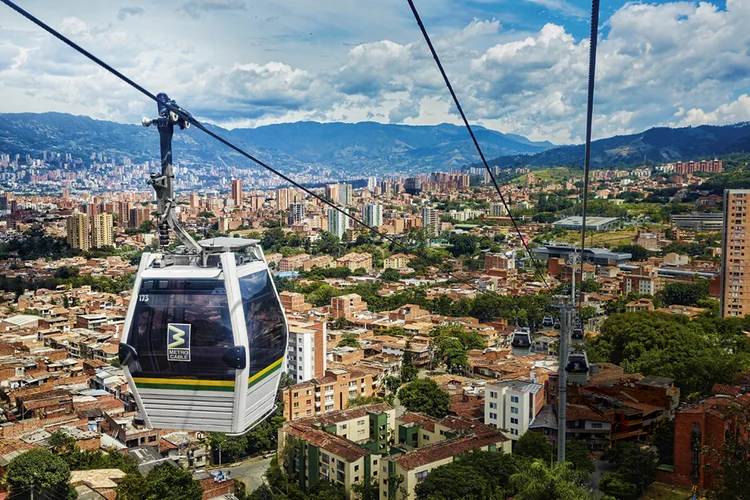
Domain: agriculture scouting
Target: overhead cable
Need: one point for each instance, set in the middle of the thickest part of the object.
(435, 56)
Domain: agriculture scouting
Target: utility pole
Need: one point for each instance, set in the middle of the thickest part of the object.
(567, 320)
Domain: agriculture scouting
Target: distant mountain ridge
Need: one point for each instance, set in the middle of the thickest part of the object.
(366, 148)
(660, 145)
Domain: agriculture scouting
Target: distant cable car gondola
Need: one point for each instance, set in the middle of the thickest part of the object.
(205, 336)
(548, 321)
(577, 335)
(521, 341)
(577, 367)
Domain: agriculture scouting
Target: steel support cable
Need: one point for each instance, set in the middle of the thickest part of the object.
(589, 125)
(193, 121)
(439, 64)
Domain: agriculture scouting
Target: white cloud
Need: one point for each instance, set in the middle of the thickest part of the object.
(562, 6)
(673, 63)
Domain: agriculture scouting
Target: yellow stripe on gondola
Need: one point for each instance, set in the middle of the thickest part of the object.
(184, 381)
(265, 371)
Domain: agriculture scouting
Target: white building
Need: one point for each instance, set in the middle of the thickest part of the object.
(338, 223)
(306, 356)
(512, 405)
(431, 219)
(371, 183)
(372, 213)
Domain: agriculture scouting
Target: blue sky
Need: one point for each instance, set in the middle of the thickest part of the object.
(518, 65)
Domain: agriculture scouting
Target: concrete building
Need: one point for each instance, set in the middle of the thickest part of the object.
(735, 259)
(338, 223)
(332, 192)
(699, 222)
(329, 393)
(424, 444)
(237, 192)
(344, 447)
(372, 214)
(296, 213)
(85, 232)
(575, 223)
(346, 194)
(596, 256)
(306, 356)
(345, 306)
(431, 220)
(512, 405)
(372, 183)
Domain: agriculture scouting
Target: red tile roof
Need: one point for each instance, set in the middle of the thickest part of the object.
(325, 441)
(447, 449)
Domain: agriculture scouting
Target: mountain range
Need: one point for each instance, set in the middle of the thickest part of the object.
(656, 145)
(352, 150)
(333, 148)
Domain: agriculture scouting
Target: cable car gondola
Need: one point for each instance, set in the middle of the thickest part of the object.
(577, 367)
(548, 321)
(521, 341)
(205, 336)
(577, 335)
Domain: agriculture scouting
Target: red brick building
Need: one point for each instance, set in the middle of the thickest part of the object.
(704, 426)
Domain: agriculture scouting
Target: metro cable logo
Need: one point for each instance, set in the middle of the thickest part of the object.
(178, 342)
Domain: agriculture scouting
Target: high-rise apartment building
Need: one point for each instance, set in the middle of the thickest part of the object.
(296, 213)
(371, 183)
(86, 232)
(306, 356)
(237, 192)
(338, 223)
(431, 220)
(282, 199)
(735, 257)
(413, 186)
(78, 231)
(101, 231)
(346, 194)
(372, 213)
(332, 192)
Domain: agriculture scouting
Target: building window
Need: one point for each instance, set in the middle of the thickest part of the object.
(514, 399)
(493, 406)
(296, 404)
(514, 432)
(493, 394)
(421, 476)
(324, 458)
(513, 409)
(493, 416)
(425, 437)
(514, 421)
(356, 468)
(596, 425)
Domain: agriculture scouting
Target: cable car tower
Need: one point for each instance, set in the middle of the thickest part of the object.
(205, 336)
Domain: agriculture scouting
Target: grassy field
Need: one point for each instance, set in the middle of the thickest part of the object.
(661, 491)
(551, 174)
(608, 239)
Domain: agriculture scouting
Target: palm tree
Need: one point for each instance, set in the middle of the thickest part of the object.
(559, 481)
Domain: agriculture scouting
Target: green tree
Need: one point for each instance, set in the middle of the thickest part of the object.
(349, 340)
(453, 482)
(663, 439)
(340, 323)
(367, 489)
(272, 238)
(42, 470)
(163, 482)
(638, 253)
(227, 448)
(578, 455)
(686, 294)
(451, 352)
(537, 481)
(425, 396)
(390, 274)
(733, 466)
(327, 244)
(534, 445)
(634, 464)
(616, 485)
(60, 443)
(262, 492)
(392, 383)
(409, 370)
(462, 244)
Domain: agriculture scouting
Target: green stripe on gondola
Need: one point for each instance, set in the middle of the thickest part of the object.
(265, 372)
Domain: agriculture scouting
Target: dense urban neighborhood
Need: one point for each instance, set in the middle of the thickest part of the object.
(423, 350)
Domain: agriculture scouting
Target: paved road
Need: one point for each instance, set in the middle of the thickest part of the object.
(250, 472)
(601, 467)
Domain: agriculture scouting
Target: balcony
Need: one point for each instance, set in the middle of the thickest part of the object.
(329, 393)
